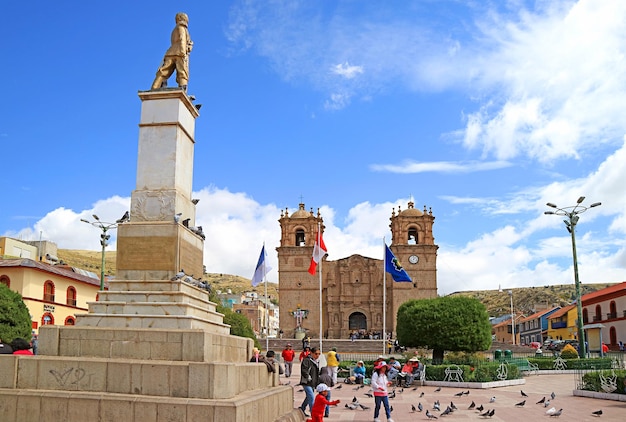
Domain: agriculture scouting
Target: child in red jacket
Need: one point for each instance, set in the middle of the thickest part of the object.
(317, 413)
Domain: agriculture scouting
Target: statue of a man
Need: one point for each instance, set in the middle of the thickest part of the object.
(177, 56)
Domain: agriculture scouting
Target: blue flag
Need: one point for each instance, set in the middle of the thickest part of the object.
(393, 266)
(261, 268)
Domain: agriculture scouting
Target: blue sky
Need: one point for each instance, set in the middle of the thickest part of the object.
(482, 111)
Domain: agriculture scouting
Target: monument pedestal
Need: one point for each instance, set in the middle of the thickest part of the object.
(151, 348)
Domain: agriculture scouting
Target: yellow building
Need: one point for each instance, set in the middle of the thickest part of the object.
(53, 294)
(562, 323)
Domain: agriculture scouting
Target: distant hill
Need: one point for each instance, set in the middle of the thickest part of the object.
(91, 261)
(525, 299)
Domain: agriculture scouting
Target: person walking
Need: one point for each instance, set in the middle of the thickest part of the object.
(379, 387)
(332, 361)
(309, 378)
(288, 355)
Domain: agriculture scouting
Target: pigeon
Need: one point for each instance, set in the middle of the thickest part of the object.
(352, 406)
(368, 394)
(480, 408)
(354, 399)
(413, 409)
(557, 413)
(438, 389)
(520, 404)
(414, 388)
(436, 407)
(542, 400)
(472, 405)
(466, 393)
(523, 394)
(552, 395)
(492, 412)
(338, 387)
(459, 394)
(390, 409)
(597, 413)
(358, 387)
(484, 415)
(547, 403)
(125, 217)
(551, 411)
(177, 217)
(420, 407)
(421, 394)
(453, 407)
(493, 399)
(430, 415)
(392, 395)
(447, 411)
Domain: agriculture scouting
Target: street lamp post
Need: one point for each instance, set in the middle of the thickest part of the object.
(510, 292)
(570, 223)
(104, 237)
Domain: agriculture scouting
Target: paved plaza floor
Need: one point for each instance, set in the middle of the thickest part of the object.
(536, 387)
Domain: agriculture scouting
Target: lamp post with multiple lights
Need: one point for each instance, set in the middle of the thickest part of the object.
(104, 237)
(572, 213)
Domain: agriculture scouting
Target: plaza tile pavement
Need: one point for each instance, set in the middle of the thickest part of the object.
(536, 387)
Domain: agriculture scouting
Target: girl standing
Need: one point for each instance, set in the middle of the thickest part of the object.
(379, 385)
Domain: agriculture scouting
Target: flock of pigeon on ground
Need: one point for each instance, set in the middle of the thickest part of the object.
(435, 412)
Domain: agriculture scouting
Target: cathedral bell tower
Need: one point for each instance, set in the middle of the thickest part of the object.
(412, 242)
(298, 290)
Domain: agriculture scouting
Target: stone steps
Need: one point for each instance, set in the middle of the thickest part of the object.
(172, 322)
(153, 308)
(80, 406)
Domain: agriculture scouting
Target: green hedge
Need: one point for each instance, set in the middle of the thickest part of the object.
(592, 382)
(593, 363)
(485, 372)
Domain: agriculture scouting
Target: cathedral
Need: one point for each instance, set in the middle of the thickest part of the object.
(352, 287)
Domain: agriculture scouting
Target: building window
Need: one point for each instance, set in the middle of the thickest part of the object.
(598, 316)
(70, 320)
(585, 316)
(71, 296)
(300, 239)
(613, 310)
(5, 280)
(413, 240)
(48, 291)
(47, 319)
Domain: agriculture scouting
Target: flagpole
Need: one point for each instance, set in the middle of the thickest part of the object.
(267, 317)
(384, 295)
(319, 236)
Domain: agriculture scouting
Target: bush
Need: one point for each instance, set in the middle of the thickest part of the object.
(592, 382)
(14, 316)
(569, 352)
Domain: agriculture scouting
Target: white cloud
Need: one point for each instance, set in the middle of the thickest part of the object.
(441, 166)
(346, 70)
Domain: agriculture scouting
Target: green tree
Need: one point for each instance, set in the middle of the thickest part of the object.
(14, 316)
(454, 323)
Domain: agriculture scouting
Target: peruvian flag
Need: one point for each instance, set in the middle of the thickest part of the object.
(318, 253)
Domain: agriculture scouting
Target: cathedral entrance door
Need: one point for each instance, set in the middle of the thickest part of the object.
(357, 321)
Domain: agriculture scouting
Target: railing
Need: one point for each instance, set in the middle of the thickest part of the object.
(611, 315)
(597, 318)
(559, 324)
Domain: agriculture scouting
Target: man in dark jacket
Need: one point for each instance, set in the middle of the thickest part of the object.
(309, 378)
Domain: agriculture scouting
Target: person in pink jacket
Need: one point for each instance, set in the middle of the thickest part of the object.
(379, 387)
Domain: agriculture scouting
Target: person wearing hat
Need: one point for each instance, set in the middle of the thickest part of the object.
(379, 387)
(317, 413)
(288, 355)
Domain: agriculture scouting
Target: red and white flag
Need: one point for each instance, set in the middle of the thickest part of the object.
(318, 253)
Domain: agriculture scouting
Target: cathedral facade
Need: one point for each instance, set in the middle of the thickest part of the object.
(352, 287)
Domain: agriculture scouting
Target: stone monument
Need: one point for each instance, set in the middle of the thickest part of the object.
(153, 347)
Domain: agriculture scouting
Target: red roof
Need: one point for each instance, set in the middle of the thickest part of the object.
(602, 294)
(537, 315)
(562, 311)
